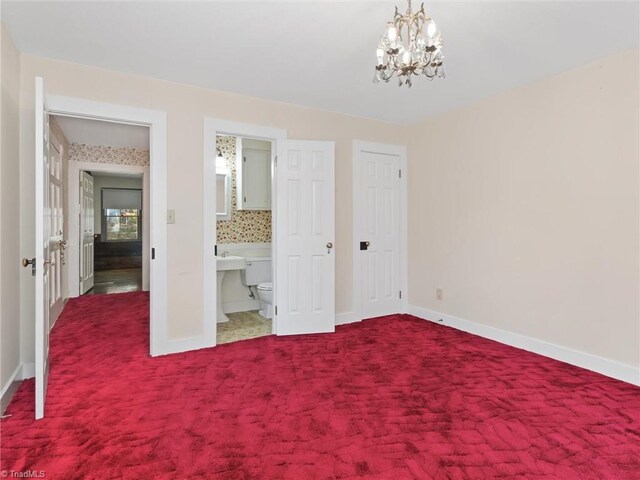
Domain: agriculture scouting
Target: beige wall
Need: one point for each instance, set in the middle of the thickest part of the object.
(9, 210)
(524, 209)
(186, 107)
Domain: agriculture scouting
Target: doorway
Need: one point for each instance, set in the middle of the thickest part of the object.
(108, 204)
(154, 278)
(303, 223)
(116, 233)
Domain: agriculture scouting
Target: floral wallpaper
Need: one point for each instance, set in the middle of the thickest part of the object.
(245, 226)
(81, 152)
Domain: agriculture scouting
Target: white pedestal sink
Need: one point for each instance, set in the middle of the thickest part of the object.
(223, 265)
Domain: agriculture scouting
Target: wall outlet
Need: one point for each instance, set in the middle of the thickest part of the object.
(171, 216)
(439, 293)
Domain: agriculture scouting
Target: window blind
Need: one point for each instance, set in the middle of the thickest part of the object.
(121, 198)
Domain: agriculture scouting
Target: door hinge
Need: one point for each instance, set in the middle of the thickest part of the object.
(215, 250)
(276, 310)
(400, 294)
(244, 159)
(245, 199)
(399, 173)
(153, 254)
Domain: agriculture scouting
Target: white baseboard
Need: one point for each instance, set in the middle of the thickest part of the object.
(9, 388)
(610, 368)
(241, 306)
(28, 370)
(348, 317)
(184, 345)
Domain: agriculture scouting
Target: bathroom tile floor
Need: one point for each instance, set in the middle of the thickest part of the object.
(242, 326)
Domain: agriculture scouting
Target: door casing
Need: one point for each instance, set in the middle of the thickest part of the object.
(156, 120)
(213, 127)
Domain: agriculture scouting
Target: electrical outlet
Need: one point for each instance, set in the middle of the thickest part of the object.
(439, 293)
(171, 216)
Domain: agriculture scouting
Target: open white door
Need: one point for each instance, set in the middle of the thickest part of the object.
(56, 242)
(87, 221)
(43, 237)
(305, 226)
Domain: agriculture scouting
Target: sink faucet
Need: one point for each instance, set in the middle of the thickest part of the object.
(225, 253)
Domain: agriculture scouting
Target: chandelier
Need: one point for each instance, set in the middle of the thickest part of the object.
(410, 46)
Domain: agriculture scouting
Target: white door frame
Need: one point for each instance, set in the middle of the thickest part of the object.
(156, 120)
(73, 194)
(213, 127)
(359, 147)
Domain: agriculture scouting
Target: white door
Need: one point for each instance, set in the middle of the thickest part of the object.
(379, 240)
(305, 255)
(56, 241)
(86, 232)
(43, 237)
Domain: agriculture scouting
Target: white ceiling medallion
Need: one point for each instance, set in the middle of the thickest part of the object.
(411, 45)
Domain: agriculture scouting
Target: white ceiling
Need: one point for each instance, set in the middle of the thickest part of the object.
(321, 54)
(98, 132)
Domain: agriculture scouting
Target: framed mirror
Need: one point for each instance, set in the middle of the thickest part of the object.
(223, 196)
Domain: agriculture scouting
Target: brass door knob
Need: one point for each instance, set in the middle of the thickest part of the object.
(28, 261)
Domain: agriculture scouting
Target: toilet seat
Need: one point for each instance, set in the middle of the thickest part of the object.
(266, 287)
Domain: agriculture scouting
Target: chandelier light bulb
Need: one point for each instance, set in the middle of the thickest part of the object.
(392, 32)
(431, 28)
(411, 45)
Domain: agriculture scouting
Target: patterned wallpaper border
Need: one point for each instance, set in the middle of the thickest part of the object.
(81, 152)
(245, 226)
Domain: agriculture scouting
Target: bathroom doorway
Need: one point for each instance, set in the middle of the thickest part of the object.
(244, 226)
(302, 229)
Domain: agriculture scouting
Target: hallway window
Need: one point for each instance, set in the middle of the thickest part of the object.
(121, 214)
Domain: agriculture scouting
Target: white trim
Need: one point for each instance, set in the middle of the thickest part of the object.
(244, 246)
(385, 149)
(348, 317)
(9, 388)
(156, 120)
(184, 345)
(212, 127)
(28, 370)
(610, 368)
(73, 239)
(241, 305)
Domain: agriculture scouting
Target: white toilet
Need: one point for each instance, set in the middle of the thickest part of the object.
(258, 274)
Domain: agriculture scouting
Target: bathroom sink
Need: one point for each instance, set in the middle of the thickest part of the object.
(230, 262)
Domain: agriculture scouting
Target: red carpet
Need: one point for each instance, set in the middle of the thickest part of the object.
(389, 398)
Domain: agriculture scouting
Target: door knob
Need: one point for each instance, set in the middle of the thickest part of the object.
(329, 247)
(30, 261)
(50, 263)
(63, 244)
(364, 245)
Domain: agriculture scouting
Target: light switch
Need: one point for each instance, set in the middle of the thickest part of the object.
(171, 216)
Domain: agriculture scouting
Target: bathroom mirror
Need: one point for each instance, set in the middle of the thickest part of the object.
(223, 196)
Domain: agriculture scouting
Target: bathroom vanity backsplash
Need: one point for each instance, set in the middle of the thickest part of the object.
(245, 226)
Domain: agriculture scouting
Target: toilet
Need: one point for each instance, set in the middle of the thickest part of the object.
(258, 274)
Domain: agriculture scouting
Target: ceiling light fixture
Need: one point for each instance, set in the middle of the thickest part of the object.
(410, 46)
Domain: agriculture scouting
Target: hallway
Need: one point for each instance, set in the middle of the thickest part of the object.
(121, 280)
